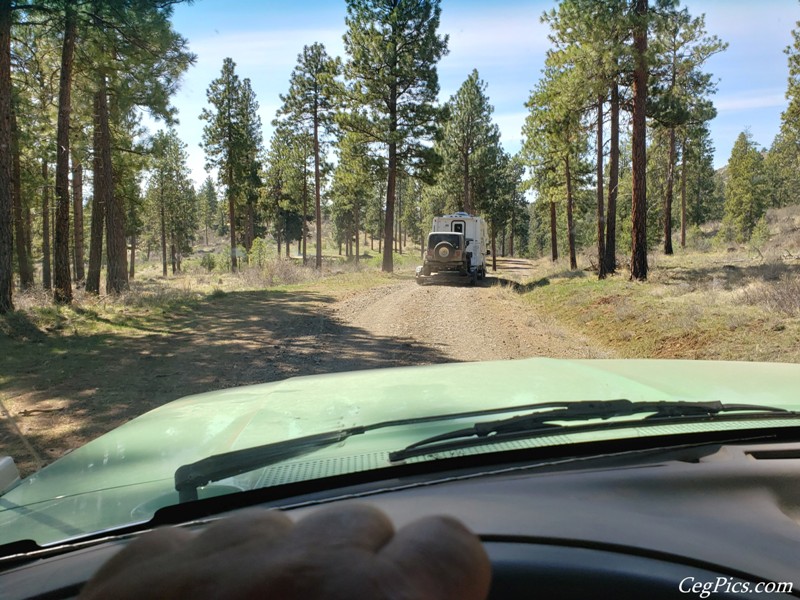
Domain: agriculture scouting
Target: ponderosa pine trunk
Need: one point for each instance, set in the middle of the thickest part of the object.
(387, 265)
(163, 219)
(317, 191)
(670, 193)
(77, 219)
(47, 277)
(6, 163)
(553, 233)
(494, 248)
(639, 147)
(232, 216)
(683, 192)
(601, 214)
(62, 288)
(573, 260)
(103, 183)
(613, 183)
(21, 242)
(116, 251)
(132, 262)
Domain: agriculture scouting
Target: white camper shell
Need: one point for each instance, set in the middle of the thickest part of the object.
(457, 244)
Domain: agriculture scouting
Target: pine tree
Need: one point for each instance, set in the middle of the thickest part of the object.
(468, 139)
(309, 106)
(232, 141)
(555, 145)
(679, 88)
(746, 188)
(393, 48)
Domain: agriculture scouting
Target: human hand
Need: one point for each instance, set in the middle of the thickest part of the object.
(349, 551)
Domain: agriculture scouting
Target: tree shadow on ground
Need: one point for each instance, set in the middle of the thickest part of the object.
(60, 391)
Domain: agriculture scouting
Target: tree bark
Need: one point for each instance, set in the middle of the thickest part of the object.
(132, 263)
(399, 221)
(116, 252)
(683, 192)
(102, 187)
(317, 191)
(639, 147)
(513, 229)
(494, 248)
(47, 278)
(163, 219)
(251, 226)
(388, 230)
(6, 163)
(62, 288)
(232, 216)
(355, 218)
(670, 192)
(77, 218)
(553, 233)
(613, 184)
(573, 261)
(304, 228)
(467, 200)
(601, 213)
(20, 230)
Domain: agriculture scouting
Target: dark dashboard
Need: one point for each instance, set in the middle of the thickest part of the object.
(722, 523)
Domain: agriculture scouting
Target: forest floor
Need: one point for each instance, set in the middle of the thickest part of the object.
(80, 372)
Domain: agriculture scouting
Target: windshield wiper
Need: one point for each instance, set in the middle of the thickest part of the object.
(546, 422)
(221, 466)
(228, 464)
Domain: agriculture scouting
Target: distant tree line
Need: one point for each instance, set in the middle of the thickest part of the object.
(616, 153)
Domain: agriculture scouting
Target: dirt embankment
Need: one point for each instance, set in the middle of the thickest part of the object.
(96, 382)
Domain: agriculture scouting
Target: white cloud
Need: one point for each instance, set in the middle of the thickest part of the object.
(507, 34)
(264, 49)
(753, 100)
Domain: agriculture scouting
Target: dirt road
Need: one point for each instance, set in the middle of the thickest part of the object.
(98, 381)
(460, 322)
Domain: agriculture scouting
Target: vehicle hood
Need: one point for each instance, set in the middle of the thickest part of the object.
(123, 476)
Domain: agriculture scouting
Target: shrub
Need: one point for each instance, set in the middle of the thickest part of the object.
(208, 262)
(760, 235)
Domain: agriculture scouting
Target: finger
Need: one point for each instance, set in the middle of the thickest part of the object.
(265, 528)
(440, 556)
(352, 525)
(148, 549)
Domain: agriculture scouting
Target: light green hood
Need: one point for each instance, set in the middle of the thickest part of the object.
(125, 475)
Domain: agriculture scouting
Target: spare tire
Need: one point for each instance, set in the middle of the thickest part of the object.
(444, 250)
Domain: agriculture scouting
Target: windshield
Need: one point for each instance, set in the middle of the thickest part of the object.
(205, 202)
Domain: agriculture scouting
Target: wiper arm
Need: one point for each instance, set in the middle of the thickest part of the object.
(221, 466)
(545, 422)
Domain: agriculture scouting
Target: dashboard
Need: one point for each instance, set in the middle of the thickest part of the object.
(719, 522)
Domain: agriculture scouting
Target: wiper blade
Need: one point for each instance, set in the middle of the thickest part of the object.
(547, 421)
(221, 466)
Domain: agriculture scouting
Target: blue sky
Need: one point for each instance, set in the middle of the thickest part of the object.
(504, 40)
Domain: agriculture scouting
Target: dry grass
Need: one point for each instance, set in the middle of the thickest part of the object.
(731, 304)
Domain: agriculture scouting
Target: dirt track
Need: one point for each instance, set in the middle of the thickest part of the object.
(461, 322)
(100, 381)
